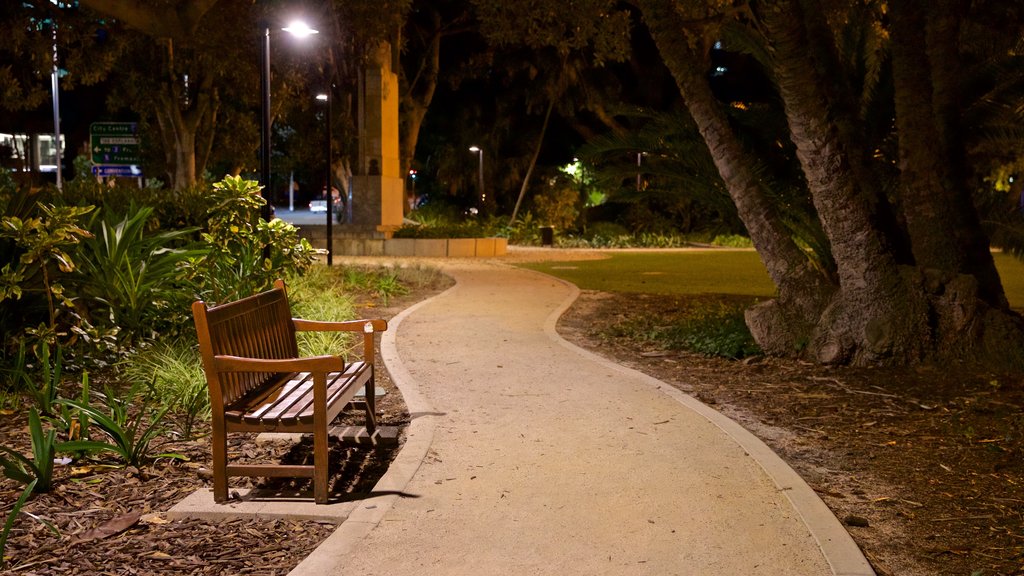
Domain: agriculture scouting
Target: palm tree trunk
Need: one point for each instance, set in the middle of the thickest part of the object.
(875, 317)
(783, 325)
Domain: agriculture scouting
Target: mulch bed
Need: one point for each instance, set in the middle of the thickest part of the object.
(109, 517)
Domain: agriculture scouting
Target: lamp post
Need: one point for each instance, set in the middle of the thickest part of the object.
(55, 87)
(480, 176)
(639, 161)
(328, 153)
(299, 30)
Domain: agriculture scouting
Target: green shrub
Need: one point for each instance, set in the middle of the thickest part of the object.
(39, 243)
(732, 241)
(37, 471)
(710, 326)
(135, 277)
(245, 253)
(129, 423)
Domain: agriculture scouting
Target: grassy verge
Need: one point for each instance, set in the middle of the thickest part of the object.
(734, 272)
(722, 283)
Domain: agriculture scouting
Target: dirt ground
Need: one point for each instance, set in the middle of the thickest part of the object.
(924, 466)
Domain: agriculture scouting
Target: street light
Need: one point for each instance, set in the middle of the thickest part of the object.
(639, 161)
(480, 176)
(298, 29)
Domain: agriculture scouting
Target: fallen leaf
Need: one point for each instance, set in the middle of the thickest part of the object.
(114, 526)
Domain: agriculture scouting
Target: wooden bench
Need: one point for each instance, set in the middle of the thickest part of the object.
(258, 382)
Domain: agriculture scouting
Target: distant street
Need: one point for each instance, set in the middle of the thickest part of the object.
(301, 217)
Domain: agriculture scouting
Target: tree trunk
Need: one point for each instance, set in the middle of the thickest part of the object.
(874, 317)
(533, 160)
(943, 34)
(784, 325)
(875, 310)
(418, 95)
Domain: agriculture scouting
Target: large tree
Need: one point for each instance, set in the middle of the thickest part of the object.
(877, 305)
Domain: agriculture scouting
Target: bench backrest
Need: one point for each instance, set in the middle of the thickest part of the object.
(258, 326)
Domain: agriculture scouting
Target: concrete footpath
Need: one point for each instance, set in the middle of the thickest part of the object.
(528, 455)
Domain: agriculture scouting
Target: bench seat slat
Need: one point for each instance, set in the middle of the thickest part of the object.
(292, 402)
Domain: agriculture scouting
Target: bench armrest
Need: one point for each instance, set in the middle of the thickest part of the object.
(364, 326)
(367, 327)
(327, 363)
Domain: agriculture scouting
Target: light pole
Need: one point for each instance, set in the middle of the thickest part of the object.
(480, 176)
(299, 30)
(328, 153)
(55, 87)
(639, 161)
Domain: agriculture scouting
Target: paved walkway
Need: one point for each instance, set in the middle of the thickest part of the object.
(528, 455)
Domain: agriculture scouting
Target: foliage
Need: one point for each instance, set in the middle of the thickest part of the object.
(246, 254)
(39, 470)
(597, 26)
(44, 242)
(137, 276)
(175, 371)
(559, 205)
(389, 285)
(451, 230)
(711, 325)
(129, 435)
(715, 330)
(731, 241)
(45, 393)
(321, 295)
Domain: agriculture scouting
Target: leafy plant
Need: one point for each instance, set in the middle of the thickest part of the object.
(388, 285)
(37, 472)
(129, 435)
(44, 241)
(136, 275)
(246, 254)
(51, 374)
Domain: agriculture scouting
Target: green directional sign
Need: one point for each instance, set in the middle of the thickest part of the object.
(114, 143)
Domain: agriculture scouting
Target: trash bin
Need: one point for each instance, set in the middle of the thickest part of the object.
(547, 236)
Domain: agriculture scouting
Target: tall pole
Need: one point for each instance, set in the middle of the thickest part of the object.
(265, 119)
(480, 175)
(328, 149)
(480, 180)
(54, 85)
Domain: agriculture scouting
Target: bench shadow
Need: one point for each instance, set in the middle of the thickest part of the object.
(353, 472)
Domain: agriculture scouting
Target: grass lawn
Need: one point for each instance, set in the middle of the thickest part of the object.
(736, 272)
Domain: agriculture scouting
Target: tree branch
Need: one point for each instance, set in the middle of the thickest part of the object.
(156, 21)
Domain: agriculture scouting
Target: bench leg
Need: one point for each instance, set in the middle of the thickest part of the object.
(321, 464)
(371, 403)
(220, 463)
